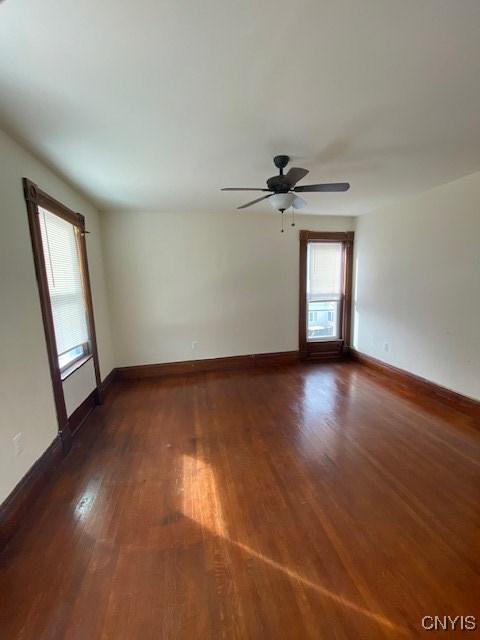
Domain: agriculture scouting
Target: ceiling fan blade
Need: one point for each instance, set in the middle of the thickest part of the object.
(299, 203)
(249, 204)
(335, 186)
(243, 189)
(295, 174)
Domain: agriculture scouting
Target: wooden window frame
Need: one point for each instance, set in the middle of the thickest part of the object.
(335, 347)
(35, 198)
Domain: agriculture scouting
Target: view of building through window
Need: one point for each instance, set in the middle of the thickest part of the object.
(322, 319)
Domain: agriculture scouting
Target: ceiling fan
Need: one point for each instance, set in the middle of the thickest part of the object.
(283, 190)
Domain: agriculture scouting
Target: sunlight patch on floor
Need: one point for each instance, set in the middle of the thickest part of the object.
(201, 503)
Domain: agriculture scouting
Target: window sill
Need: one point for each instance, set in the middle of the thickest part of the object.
(322, 348)
(73, 367)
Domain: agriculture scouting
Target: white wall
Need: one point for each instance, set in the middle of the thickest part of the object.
(228, 281)
(26, 396)
(417, 285)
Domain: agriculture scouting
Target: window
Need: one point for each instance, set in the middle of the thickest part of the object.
(67, 299)
(325, 283)
(324, 290)
(60, 260)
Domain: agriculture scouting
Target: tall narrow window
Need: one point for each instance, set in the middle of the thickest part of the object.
(325, 283)
(60, 242)
(60, 259)
(324, 290)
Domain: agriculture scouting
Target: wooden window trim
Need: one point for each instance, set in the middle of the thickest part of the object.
(36, 198)
(335, 347)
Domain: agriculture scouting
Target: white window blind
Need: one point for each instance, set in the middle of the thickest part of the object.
(324, 271)
(64, 282)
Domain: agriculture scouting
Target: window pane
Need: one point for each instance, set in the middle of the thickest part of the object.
(64, 282)
(324, 290)
(69, 357)
(322, 320)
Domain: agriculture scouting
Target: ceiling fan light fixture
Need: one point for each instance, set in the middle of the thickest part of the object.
(282, 201)
(299, 203)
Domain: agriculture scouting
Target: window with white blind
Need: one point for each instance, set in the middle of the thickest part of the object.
(324, 290)
(66, 287)
(326, 260)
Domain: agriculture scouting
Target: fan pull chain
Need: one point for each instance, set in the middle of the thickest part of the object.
(293, 216)
(282, 213)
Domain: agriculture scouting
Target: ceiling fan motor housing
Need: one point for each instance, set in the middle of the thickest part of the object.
(279, 184)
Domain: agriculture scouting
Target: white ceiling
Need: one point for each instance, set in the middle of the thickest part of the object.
(157, 104)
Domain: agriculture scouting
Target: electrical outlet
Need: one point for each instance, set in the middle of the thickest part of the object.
(194, 345)
(18, 443)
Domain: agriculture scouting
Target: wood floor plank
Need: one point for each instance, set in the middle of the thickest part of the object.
(309, 501)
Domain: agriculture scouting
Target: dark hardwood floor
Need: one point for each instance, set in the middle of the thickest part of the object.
(311, 501)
